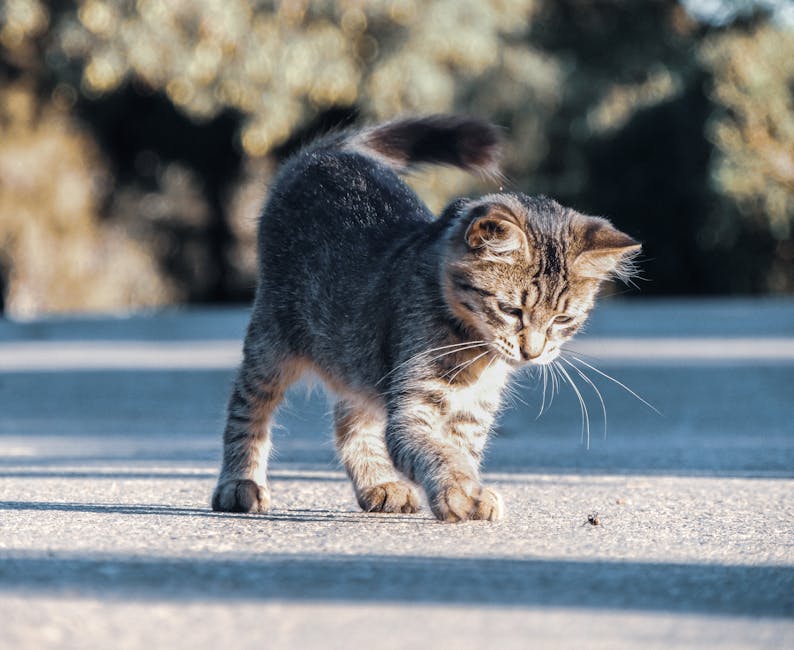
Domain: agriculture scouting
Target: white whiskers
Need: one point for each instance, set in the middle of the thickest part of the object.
(595, 390)
(543, 402)
(556, 372)
(462, 366)
(458, 347)
(619, 383)
(582, 405)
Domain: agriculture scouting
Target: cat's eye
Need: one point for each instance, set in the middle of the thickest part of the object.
(510, 310)
(562, 319)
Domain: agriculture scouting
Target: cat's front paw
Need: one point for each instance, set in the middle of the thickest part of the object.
(395, 496)
(466, 499)
(240, 495)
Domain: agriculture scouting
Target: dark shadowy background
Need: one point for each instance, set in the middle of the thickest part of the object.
(137, 138)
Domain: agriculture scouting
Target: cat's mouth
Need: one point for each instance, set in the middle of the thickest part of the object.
(513, 354)
(546, 357)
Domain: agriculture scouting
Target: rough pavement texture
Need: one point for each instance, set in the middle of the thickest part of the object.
(107, 540)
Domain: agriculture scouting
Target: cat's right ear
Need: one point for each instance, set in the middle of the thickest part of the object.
(606, 251)
(493, 228)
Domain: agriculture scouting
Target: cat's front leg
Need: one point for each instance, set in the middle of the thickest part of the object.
(464, 498)
(422, 448)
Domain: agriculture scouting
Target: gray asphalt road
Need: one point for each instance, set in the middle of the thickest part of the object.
(109, 443)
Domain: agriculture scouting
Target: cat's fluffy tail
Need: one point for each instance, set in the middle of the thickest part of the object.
(458, 140)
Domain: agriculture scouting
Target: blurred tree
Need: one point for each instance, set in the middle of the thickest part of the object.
(659, 132)
(58, 255)
(678, 130)
(265, 70)
(628, 140)
(752, 168)
(172, 176)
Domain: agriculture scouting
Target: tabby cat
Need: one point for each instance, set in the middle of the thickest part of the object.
(416, 322)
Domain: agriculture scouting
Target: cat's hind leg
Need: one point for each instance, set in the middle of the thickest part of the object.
(359, 433)
(258, 389)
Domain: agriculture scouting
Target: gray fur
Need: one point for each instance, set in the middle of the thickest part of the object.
(416, 322)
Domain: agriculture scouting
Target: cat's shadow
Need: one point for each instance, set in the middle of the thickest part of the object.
(293, 515)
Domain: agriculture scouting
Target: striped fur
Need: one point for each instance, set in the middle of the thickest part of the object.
(416, 322)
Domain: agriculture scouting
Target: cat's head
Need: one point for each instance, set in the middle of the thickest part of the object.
(522, 272)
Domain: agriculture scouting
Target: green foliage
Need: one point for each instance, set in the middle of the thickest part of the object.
(278, 63)
(60, 255)
(172, 115)
(752, 129)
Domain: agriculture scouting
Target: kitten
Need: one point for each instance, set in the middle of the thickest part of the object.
(416, 322)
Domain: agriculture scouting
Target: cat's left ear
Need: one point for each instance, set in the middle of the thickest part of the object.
(606, 251)
(494, 228)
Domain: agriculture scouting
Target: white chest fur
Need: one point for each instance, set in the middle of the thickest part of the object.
(481, 398)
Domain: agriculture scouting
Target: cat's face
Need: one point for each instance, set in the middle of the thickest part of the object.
(523, 272)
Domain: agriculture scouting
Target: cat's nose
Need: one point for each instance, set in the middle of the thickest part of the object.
(533, 345)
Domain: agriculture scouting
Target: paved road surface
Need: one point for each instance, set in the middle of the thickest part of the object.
(109, 444)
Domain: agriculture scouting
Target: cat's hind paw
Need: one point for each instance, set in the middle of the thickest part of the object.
(468, 500)
(395, 496)
(240, 495)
